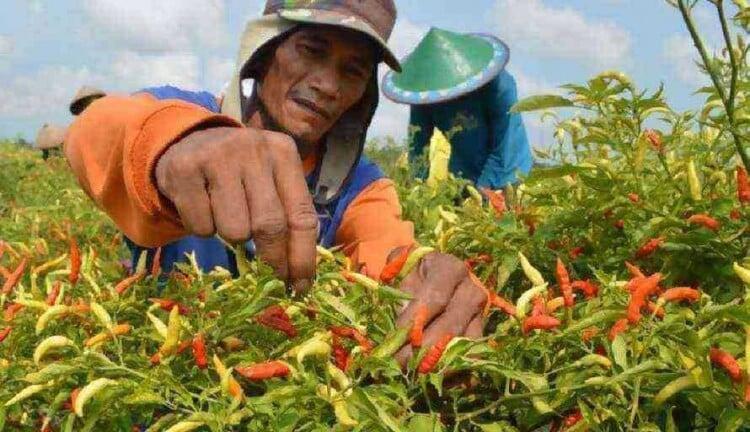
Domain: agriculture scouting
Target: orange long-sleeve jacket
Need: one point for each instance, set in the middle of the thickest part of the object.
(114, 145)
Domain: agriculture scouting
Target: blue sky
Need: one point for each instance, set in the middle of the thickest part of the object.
(48, 48)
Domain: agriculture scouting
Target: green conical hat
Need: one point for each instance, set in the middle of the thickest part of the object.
(446, 65)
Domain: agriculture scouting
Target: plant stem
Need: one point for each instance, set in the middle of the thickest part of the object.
(728, 101)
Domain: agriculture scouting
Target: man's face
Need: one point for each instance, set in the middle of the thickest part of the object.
(315, 76)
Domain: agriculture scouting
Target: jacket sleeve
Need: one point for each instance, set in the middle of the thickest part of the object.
(113, 148)
(510, 151)
(420, 131)
(372, 227)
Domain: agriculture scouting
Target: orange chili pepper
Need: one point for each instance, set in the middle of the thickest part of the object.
(14, 277)
(156, 263)
(264, 371)
(11, 310)
(199, 351)
(417, 330)
(75, 261)
(705, 221)
(540, 322)
(681, 294)
(588, 288)
(727, 362)
(650, 247)
(128, 282)
(619, 326)
(563, 281)
(743, 186)
(432, 358)
(53, 293)
(4, 333)
(394, 266)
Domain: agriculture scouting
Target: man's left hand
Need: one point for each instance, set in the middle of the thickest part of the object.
(455, 304)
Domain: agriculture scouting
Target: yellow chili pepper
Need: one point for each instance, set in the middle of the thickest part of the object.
(172, 341)
(159, 325)
(674, 387)
(532, 274)
(101, 314)
(89, 391)
(185, 426)
(118, 330)
(693, 181)
(524, 301)
(52, 342)
(415, 257)
(49, 264)
(50, 314)
(27, 393)
(338, 403)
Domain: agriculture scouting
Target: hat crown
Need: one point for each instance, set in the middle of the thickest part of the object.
(451, 59)
(378, 14)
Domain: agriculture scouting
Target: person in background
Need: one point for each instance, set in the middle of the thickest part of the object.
(276, 172)
(458, 84)
(51, 137)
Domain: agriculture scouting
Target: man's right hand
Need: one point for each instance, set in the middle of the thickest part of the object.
(245, 183)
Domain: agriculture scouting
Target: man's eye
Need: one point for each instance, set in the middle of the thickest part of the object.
(354, 72)
(312, 50)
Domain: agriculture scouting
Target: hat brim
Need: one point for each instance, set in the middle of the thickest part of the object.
(341, 20)
(491, 71)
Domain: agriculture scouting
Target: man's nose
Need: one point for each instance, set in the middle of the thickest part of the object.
(326, 82)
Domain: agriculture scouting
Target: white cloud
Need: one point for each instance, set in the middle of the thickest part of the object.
(682, 55)
(534, 27)
(218, 73)
(44, 92)
(166, 25)
(6, 45)
(132, 70)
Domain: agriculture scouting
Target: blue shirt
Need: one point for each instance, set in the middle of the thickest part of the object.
(491, 146)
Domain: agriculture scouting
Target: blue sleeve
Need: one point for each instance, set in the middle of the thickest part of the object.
(202, 98)
(510, 152)
(420, 131)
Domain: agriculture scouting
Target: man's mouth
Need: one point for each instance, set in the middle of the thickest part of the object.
(311, 107)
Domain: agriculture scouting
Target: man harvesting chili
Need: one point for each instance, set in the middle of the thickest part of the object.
(282, 167)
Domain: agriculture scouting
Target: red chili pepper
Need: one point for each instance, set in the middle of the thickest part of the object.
(75, 261)
(563, 281)
(600, 350)
(354, 334)
(264, 371)
(53, 293)
(199, 351)
(576, 252)
(619, 326)
(654, 309)
(540, 322)
(735, 214)
(4, 333)
(634, 270)
(573, 418)
(168, 304)
(634, 198)
(705, 221)
(497, 200)
(540, 306)
(620, 224)
(589, 289)
(340, 354)
(642, 290)
(727, 362)
(417, 329)
(743, 186)
(432, 358)
(128, 282)
(275, 317)
(156, 263)
(14, 277)
(394, 266)
(655, 139)
(681, 294)
(589, 334)
(11, 310)
(502, 304)
(472, 263)
(650, 247)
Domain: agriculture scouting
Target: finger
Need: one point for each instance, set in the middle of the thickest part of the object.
(433, 284)
(194, 205)
(466, 304)
(475, 329)
(267, 219)
(302, 218)
(229, 206)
